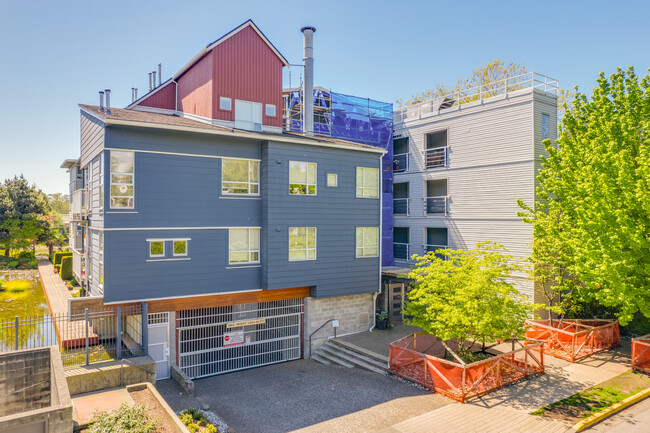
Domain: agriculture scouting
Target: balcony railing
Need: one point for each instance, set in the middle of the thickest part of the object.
(432, 247)
(435, 158)
(436, 205)
(400, 162)
(401, 206)
(401, 251)
(78, 205)
(456, 98)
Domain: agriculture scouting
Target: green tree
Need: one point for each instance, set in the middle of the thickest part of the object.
(467, 295)
(59, 203)
(592, 217)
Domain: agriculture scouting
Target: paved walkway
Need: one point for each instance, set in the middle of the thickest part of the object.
(635, 419)
(56, 292)
(84, 405)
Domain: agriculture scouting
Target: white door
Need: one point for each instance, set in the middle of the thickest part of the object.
(159, 343)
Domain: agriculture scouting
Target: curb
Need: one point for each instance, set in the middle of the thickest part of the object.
(596, 418)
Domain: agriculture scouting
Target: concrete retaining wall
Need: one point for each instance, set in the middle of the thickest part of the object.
(111, 374)
(354, 314)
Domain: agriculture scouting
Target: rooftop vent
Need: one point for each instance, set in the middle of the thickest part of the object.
(101, 102)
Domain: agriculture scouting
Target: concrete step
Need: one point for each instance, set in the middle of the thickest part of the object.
(335, 352)
(316, 357)
(331, 358)
(369, 353)
(360, 356)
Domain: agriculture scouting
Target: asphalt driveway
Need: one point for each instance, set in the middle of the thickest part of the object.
(306, 395)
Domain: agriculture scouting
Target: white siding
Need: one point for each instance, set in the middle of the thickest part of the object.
(492, 161)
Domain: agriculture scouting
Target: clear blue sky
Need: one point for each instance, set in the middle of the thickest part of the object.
(56, 54)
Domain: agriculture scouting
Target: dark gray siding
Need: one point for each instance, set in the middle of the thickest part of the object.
(129, 276)
(334, 211)
(92, 138)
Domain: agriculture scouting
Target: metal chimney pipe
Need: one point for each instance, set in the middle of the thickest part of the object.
(135, 94)
(101, 102)
(154, 79)
(159, 74)
(132, 98)
(150, 82)
(308, 82)
(108, 101)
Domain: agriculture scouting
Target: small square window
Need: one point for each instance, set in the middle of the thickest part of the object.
(332, 179)
(270, 110)
(156, 249)
(225, 103)
(180, 248)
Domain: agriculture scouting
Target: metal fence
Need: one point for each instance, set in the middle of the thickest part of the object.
(83, 338)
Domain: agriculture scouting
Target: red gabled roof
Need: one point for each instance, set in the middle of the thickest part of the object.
(205, 50)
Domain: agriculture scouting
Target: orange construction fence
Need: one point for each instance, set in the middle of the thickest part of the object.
(418, 358)
(573, 340)
(641, 353)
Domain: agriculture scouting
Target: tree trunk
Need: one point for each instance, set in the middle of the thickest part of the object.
(50, 249)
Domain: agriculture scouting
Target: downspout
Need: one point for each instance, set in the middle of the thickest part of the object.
(381, 219)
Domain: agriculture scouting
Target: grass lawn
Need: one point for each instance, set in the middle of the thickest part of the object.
(596, 398)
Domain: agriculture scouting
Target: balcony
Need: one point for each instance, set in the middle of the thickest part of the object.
(401, 163)
(435, 158)
(401, 251)
(436, 206)
(401, 206)
(78, 205)
(434, 248)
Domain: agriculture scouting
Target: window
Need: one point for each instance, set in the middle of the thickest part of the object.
(332, 179)
(244, 246)
(121, 179)
(225, 103)
(436, 149)
(156, 248)
(180, 248)
(302, 243)
(367, 182)
(101, 182)
(302, 177)
(544, 126)
(240, 176)
(270, 110)
(367, 241)
(248, 115)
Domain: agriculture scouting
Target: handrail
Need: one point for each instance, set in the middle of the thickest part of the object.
(319, 328)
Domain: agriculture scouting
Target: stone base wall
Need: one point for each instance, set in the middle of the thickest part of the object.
(354, 313)
(24, 381)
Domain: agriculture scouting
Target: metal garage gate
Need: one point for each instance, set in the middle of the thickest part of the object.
(235, 337)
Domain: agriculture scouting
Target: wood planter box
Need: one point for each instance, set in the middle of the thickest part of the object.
(641, 353)
(573, 340)
(419, 358)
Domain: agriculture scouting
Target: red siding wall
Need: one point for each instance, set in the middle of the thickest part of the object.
(246, 68)
(163, 98)
(195, 88)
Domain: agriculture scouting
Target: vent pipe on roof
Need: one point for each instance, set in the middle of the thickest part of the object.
(135, 94)
(159, 74)
(101, 102)
(132, 94)
(150, 88)
(154, 79)
(108, 101)
(308, 82)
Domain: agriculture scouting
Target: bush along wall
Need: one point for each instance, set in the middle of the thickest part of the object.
(58, 257)
(66, 268)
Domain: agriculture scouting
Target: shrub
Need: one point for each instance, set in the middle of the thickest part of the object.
(126, 419)
(66, 268)
(33, 264)
(212, 428)
(73, 282)
(58, 256)
(26, 255)
(12, 265)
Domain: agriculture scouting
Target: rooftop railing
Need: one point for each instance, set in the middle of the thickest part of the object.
(459, 97)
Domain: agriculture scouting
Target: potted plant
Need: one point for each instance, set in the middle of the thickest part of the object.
(381, 319)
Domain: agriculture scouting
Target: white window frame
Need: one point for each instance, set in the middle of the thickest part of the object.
(306, 249)
(336, 180)
(132, 184)
(249, 124)
(363, 187)
(101, 182)
(187, 247)
(249, 183)
(272, 108)
(307, 185)
(249, 250)
(156, 256)
(363, 246)
(225, 103)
